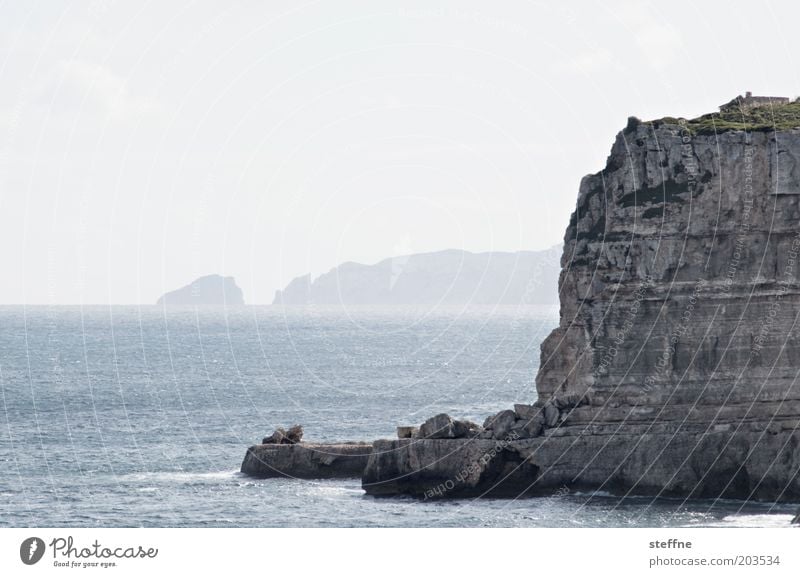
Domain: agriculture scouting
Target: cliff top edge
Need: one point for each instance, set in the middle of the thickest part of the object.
(748, 113)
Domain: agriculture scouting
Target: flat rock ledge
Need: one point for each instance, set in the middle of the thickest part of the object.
(528, 452)
(307, 460)
(686, 463)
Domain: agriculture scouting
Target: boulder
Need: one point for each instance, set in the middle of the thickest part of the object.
(551, 414)
(276, 438)
(443, 426)
(564, 402)
(283, 437)
(294, 434)
(529, 428)
(463, 429)
(501, 423)
(526, 411)
(407, 432)
(440, 426)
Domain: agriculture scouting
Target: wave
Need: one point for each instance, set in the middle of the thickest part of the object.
(181, 476)
(775, 521)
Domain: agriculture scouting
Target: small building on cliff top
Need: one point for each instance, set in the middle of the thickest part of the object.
(750, 101)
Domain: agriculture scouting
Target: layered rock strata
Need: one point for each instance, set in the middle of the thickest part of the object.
(674, 367)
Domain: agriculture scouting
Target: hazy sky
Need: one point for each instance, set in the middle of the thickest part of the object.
(143, 144)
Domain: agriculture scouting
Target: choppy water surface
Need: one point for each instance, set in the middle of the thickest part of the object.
(133, 416)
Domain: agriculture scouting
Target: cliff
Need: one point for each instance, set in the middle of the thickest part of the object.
(673, 369)
(679, 284)
(206, 290)
(450, 277)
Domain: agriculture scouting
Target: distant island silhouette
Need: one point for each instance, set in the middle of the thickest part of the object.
(448, 277)
(212, 289)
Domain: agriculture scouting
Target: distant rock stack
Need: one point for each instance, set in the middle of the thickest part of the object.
(206, 290)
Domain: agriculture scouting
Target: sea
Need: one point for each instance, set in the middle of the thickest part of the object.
(140, 416)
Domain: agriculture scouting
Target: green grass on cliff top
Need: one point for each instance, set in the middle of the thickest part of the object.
(761, 119)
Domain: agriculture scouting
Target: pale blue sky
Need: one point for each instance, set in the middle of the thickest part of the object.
(143, 144)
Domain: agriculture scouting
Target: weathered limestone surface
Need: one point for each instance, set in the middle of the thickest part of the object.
(674, 368)
(441, 468)
(679, 282)
(306, 460)
(669, 463)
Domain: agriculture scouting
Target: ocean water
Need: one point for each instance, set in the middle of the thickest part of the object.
(140, 417)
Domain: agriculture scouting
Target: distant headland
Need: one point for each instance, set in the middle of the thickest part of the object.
(448, 277)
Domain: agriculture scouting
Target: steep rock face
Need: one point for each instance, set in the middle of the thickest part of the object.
(679, 283)
(206, 290)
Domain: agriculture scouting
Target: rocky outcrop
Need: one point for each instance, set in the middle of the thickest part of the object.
(282, 437)
(439, 468)
(450, 277)
(443, 426)
(673, 369)
(407, 432)
(664, 462)
(206, 290)
(307, 460)
(679, 275)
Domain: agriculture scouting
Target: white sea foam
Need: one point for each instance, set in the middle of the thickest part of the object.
(774, 521)
(181, 476)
